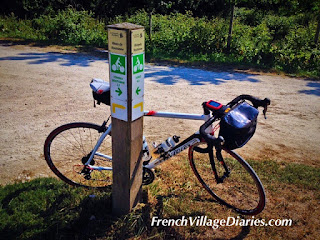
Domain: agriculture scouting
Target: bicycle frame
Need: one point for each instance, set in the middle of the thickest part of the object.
(194, 138)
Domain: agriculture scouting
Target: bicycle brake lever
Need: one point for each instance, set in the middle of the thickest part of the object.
(266, 102)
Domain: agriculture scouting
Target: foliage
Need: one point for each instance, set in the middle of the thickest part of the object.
(66, 27)
(283, 43)
(72, 27)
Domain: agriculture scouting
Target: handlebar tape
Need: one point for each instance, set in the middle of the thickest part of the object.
(210, 139)
(257, 102)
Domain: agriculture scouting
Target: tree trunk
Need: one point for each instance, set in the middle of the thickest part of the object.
(230, 27)
(316, 38)
(150, 26)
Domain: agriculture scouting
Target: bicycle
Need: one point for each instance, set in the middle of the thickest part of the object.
(71, 152)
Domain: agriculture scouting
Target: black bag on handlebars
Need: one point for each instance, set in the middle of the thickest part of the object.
(238, 125)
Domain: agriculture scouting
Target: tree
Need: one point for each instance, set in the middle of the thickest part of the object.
(232, 3)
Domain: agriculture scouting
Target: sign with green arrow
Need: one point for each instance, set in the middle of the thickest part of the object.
(119, 91)
(137, 75)
(137, 85)
(138, 90)
(118, 76)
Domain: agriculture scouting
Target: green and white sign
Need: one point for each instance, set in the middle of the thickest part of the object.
(118, 63)
(137, 85)
(118, 76)
(138, 63)
(137, 75)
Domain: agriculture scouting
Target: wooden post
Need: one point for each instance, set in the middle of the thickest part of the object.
(126, 68)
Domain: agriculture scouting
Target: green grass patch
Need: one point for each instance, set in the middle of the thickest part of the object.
(289, 173)
(47, 208)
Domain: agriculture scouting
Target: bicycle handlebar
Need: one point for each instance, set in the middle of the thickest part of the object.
(256, 102)
(210, 139)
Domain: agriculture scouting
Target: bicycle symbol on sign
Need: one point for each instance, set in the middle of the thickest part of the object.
(118, 66)
(138, 66)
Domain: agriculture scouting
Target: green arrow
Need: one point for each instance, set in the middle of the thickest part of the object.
(138, 90)
(118, 91)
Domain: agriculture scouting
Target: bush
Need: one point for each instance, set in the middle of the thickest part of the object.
(13, 27)
(297, 52)
(67, 27)
(72, 27)
(284, 43)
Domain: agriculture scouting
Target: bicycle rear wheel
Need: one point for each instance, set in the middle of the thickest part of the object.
(68, 148)
(241, 190)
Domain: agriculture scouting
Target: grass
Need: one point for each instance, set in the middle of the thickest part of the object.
(46, 208)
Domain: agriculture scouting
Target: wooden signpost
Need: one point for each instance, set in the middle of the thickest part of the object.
(126, 44)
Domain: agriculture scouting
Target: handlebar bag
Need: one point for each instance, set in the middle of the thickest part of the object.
(100, 91)
(238, 125)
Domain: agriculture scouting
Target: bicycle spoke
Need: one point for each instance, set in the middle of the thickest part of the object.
(241, 189)
(68, 147)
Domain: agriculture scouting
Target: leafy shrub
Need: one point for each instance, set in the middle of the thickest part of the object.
(297, 51)
(284, 43)
(251, 17)
(72, 27)
(13, 27)
(279, 25)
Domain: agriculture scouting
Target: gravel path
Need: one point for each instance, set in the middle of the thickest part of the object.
(42, 88)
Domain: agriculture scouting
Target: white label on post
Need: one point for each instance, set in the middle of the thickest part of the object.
(137, 44)
(119, 109)
(117, 41)
(137, 108)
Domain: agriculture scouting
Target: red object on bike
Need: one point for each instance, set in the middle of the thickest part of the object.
(213, 105)
(151, 113)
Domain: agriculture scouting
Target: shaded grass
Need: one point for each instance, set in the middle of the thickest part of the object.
(49, 209)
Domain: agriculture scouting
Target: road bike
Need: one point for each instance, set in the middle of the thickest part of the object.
(81, 153)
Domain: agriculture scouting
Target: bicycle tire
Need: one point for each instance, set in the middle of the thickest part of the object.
(242, 190)
(68, 147)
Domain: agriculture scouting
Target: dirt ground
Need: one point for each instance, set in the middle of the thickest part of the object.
(44, 87)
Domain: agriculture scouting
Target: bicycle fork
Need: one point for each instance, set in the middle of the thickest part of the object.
(222, 162)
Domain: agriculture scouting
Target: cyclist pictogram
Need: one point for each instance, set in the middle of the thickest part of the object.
(138, 63)
(118, 66)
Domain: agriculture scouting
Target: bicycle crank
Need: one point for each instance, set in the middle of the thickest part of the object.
(147, 176)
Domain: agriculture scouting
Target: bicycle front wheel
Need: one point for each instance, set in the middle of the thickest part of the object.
(240, 190)
(67, 149)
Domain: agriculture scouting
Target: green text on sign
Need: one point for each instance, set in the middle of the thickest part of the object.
(118, 64)
(138, 63)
